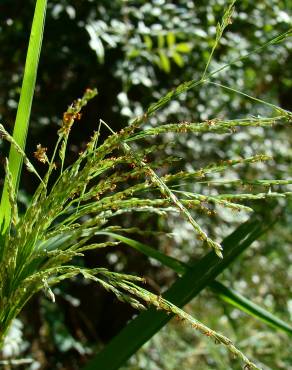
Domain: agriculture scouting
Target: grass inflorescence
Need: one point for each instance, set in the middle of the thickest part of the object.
(75, 203)
(108, 179)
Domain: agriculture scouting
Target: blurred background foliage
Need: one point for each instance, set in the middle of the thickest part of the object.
(133, 52)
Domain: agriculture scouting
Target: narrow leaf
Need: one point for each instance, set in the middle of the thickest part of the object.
(237, 300)
(164, 61)
(226, 294)
(183, 47)
(170, 262)
(178, 59)
(24, 108)
(142, 328)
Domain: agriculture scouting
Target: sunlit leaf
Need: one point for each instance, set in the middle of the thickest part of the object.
(183, 47)
(170, 37)
(164, 62)
(148, 42)
(178, 59)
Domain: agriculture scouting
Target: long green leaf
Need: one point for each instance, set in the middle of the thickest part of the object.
(242, 303)
(200, 275)
(24, 109)
(226, 294)
(170, 262)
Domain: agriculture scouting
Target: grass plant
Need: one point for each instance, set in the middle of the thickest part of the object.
(75, 203)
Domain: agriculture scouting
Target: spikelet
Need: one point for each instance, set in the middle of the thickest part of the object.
(11, 195)
(6, 136)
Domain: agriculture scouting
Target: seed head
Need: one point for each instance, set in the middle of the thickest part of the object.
(40, 154)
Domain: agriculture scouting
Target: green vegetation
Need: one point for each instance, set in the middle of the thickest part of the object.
(77, 205)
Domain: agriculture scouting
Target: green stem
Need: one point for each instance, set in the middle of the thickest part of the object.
(24, 109)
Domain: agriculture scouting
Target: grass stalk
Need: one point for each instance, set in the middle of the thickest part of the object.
(23, 110)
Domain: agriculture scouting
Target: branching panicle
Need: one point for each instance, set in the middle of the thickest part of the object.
(107, 180)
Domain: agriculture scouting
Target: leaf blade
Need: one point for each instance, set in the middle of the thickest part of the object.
(143, 327)
(24, 108)
(239, 301)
